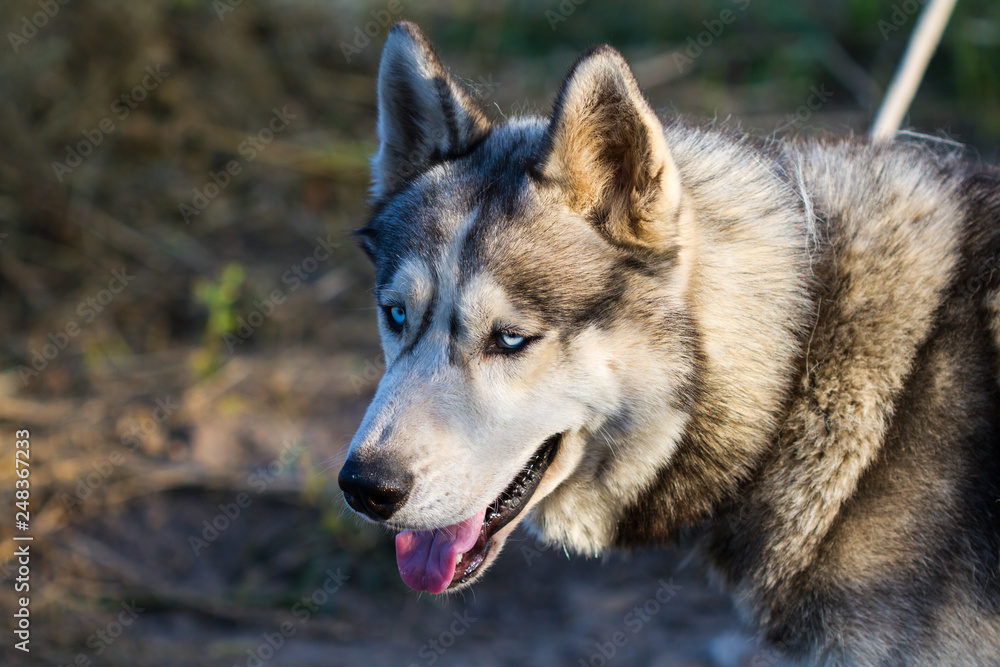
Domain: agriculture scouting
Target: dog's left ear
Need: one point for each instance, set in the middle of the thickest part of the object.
(424, 115)
(605, 147)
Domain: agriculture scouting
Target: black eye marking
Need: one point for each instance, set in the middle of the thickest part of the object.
(508, 342)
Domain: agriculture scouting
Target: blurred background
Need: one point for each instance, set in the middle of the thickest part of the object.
(186, 327)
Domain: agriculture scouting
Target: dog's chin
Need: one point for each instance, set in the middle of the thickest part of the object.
(497, 522)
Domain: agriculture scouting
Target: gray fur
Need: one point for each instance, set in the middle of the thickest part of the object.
(789, 349)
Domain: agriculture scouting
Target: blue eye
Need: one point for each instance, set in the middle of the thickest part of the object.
(398, 315)
(509, 341)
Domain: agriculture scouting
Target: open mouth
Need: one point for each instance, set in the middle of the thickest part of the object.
(436, 560)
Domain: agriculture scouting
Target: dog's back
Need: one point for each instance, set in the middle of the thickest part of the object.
(872, 528)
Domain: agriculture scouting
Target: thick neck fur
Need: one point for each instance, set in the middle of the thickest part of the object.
(752, 241)
(811, 311)
(795, 393)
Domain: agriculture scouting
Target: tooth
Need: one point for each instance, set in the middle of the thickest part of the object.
(458, 558)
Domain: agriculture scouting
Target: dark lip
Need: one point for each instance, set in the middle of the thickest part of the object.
(506, 508)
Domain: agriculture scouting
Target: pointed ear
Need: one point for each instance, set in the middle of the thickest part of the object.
(605, 147)
(424, 115)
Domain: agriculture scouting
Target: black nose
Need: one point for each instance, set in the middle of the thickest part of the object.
(374, 489)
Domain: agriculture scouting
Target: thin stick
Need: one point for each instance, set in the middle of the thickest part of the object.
(911, 70)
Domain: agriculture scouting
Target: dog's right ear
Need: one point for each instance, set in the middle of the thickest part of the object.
(606, 149)
(424, 115)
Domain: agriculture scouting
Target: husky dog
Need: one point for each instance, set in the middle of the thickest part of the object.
(616, 328)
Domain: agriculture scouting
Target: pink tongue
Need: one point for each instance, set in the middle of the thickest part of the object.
(426, 558)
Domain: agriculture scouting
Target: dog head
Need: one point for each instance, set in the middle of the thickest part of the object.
(530, 281)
